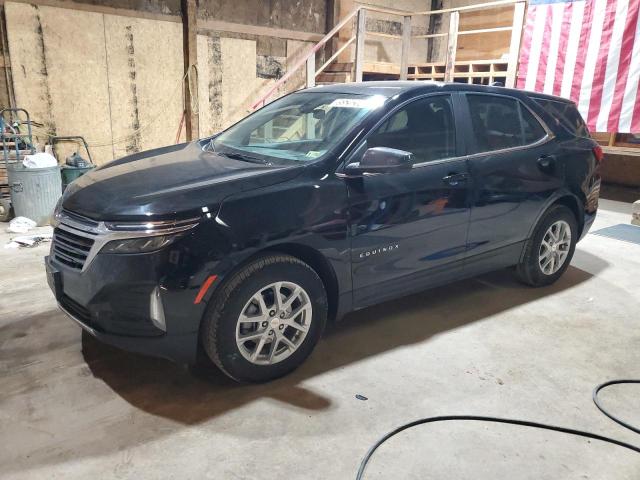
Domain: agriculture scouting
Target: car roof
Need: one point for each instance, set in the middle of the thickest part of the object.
(390, 88)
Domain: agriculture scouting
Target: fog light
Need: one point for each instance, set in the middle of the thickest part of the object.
(156, 310)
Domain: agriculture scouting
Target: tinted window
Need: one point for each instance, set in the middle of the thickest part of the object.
(500, 122)
(424, 127)
(566, 115)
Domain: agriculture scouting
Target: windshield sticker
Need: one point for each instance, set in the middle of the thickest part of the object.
(313, 153)
(371, 102)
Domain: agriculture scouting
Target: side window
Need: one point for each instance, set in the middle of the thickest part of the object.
(500, 122)
(565, 114)
(424, 127)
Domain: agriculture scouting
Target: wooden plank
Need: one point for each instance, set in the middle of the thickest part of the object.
(633, 152)
(311, 72)
(210, 25)
(484, 30)
(452, 45)
(406, 47)
(96, 8)
(360, 34)
(381, 67)
(190, 56)
(145, 102)
(384, 35)
(514, 46)
(467, 8)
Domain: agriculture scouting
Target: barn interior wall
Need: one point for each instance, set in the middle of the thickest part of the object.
(116, 78)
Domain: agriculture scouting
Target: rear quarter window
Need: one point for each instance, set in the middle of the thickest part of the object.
(566, 115)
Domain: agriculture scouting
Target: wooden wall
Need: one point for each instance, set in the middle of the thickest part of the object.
(114, 80)
(117, 79)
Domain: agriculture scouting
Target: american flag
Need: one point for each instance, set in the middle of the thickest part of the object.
(588, 51)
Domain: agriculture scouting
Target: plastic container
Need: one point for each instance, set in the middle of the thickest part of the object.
(69, 173)
(34, 191)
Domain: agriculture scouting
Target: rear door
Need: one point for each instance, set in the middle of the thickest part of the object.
(516, 166)
(408, 229)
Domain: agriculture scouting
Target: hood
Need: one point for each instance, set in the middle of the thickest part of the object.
(166, 182)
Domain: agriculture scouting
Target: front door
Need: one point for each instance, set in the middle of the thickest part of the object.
(408, 229)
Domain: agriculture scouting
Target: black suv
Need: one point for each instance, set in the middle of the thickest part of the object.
(327, 200)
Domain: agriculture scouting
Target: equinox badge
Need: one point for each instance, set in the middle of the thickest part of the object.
(376, 251)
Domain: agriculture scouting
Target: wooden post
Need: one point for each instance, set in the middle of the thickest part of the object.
(311, 71)
(406, 47)
(190, 54)
(360, 34)
(514, 48)
(452, 46)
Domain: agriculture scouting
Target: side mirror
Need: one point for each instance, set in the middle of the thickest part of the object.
(381, 160)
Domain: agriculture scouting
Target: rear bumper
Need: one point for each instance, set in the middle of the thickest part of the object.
(589, 218)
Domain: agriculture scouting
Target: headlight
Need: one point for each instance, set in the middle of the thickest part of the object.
(140, 245)
(55, 216)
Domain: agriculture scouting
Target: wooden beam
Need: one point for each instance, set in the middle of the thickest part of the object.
(190, 54)
(452, 45)
(514, 46)
(311, 71)
(406, 47)
(205, 26)
(360, 34)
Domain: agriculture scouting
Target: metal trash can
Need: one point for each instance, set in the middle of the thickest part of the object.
(34, 191)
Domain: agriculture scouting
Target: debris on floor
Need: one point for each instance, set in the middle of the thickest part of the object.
(21, 225)
(361, 397)
(29, 241)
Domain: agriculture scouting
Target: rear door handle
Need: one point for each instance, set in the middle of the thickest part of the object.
(547, 163)
(455, 179)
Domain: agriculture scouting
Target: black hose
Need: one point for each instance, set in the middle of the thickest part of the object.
(602, 409)
(523, 423)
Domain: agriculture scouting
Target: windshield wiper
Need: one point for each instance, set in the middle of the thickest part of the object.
(244, 157)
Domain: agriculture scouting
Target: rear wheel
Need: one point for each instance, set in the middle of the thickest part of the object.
(549, 251)
(266, 319)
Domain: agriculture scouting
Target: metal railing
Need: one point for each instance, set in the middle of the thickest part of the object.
(360, 14)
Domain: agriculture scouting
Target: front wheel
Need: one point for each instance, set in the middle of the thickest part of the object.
(266, 319)
(549, 251)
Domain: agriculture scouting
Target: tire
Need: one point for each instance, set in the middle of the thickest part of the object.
(240, 296)
(530, 270)
(5, 210)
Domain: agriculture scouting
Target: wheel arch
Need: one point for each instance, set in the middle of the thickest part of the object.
(318, 262)
(309, 255)
(571, 202)
(567, 199)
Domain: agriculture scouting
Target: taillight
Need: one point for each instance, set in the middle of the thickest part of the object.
(599, 154)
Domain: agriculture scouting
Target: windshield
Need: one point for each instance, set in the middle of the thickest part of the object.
(300, 127)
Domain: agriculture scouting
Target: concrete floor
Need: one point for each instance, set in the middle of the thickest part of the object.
(73, 408)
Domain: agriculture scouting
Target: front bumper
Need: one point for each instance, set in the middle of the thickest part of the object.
(112, 299)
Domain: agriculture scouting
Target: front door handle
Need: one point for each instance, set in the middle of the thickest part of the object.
(547, 163)
(455, 179)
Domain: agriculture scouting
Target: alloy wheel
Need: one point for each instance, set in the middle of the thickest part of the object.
(273, 323)
(555, 247)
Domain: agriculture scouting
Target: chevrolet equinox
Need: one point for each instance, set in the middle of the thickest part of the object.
(242, 245)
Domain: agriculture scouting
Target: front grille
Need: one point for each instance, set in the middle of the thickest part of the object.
(73, 239)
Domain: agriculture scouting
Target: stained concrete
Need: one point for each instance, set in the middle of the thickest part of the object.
(73, 408)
